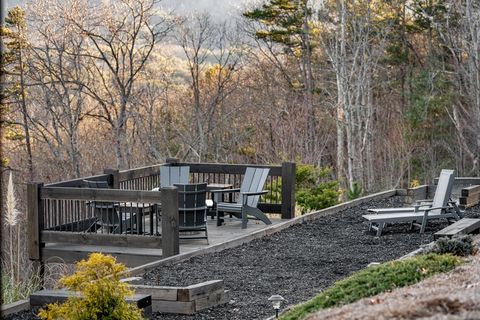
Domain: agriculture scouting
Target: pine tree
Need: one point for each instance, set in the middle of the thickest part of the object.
(13, 68)
(288, 22)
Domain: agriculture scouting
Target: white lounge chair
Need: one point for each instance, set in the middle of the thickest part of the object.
(441, 207)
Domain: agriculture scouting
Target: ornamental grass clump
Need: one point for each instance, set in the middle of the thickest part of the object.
(374, 280)
(97, 293)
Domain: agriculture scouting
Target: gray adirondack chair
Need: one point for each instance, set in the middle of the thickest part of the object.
(441, 207)
(192, 210)
(169, 175)
(249, 195)
(107, 213)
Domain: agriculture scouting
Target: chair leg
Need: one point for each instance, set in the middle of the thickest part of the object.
(206, 233)
(424, 222)
(244, 217)
(257, 213)
(381, 225)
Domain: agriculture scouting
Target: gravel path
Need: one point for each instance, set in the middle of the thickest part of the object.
(296, 263)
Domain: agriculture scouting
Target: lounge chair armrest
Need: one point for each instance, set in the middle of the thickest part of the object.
(419, 202)
(245, 195)
(226, 190)
(254, 193)
(434, 208)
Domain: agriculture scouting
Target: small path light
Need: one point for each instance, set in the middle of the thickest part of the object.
(276, 301)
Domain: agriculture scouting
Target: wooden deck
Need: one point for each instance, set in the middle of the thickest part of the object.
(132, 256)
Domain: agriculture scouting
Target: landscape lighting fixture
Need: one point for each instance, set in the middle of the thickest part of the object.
(276, 302)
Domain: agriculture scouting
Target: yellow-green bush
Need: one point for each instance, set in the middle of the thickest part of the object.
(102, 294)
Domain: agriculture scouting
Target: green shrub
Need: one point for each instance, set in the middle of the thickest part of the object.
(322, 196)
(374, 280)
(103, 295)
(314, 189)
(459, 246)
(355, 192)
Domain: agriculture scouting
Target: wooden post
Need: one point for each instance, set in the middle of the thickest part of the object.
(35, 220)
(170, 244)
(288, 190)
(172, 161)
(113, 181)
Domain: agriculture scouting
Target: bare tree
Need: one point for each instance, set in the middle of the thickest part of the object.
(213, 53)
(461, 35)
(121, 36)
(57, 71)
(354, 55)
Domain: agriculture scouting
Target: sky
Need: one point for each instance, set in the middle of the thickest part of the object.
(219, 9)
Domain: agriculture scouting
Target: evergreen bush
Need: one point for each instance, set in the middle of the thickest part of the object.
(102, 295)
(459, 246)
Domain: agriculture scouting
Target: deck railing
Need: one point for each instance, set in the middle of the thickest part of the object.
(67, 212)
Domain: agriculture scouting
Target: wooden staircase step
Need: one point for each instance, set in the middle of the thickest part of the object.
(462, 226)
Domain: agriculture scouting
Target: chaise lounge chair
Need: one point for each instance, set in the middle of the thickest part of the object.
(441, 207)
(250, 192)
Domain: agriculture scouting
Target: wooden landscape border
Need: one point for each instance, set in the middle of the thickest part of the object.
(185, 300)
(15, 307)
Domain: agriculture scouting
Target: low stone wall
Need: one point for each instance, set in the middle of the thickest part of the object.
(185, 300)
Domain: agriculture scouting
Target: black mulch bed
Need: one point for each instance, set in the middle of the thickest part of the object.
(296, 263)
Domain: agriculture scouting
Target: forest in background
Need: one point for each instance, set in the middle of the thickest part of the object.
(386, 93)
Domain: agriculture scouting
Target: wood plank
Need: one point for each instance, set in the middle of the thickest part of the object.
(275, 170)
(122, 240)
(78, 183)
(215, 298)
(100, 194)
(199, 290)
(170, 237)
(173, 306)
(142, 172)
(35, 216)
(130, 259)
(288, 190)
(75, 226)
(462, 226)
(158, 292)
(471, 190)
(15, 307)
(43, 297)
(468, 202)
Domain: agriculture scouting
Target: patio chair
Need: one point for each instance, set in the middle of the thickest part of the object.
(192, 210)
(249, 194)
(107, 213)
(169, 175)
(441, 207)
